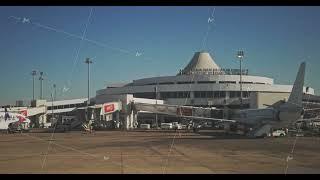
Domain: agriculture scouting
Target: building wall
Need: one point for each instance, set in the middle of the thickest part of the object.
(37, 103)
(149, 101)
(149, 90)
(196, 78)
(198, 87)
(66, 102)
(19, 103)
(103, 98)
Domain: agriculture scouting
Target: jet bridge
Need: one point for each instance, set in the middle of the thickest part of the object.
(176, 110)
(127, 108)
(27, 111)
(197, 115)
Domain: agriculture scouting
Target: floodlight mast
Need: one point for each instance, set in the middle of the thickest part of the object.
(52, 116)
(53, 98)
(33, 73)
(41, 79)
(240, 56)
(156, 93)
(88, 61)
(55, 92)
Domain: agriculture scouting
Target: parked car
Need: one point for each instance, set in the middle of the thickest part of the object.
(176, 125)
(166, 125)
(145, 126)
(278, 133)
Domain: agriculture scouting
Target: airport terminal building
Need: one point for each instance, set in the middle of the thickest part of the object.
(204, 83)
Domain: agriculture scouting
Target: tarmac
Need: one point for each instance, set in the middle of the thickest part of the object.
(162, 152)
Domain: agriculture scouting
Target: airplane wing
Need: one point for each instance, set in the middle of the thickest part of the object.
(309, 119)
(208, 119)
(312, 109)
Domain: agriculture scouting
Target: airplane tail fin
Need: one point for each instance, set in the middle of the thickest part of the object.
(295, 97)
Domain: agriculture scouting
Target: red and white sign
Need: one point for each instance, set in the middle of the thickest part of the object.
(24, 112)
(108, 108)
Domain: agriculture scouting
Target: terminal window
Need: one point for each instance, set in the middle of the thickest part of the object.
(203, 94)
(227, 82)
(164, 83)
(186, 82)
(197, 94)
(245, 94)
(209, 94)
(232, 94)
(219, 94)
(206, 82)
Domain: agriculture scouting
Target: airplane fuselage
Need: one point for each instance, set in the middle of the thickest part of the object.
(282, 116)
(254, 116)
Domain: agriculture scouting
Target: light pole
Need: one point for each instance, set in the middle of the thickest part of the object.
(240, 56)
(52, 116)
(41, 79)
(156, 90)
(55, 93)
(33, 73)
(88, 61)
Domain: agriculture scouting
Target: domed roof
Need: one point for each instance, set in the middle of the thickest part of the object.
(201, 61)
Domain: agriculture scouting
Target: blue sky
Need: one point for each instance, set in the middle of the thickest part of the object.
(275, 41)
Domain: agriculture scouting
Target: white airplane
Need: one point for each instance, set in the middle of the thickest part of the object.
(8, 117)
(261, 121)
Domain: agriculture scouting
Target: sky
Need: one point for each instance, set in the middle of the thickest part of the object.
(128, 43)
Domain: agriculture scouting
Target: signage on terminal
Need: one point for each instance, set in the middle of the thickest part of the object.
(108, 108)
(217, 71)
